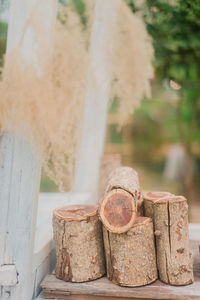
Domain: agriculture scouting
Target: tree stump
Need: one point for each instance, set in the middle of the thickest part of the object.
(130, 256)
(149, 198)
(79, 243)
(172, 242)
(118, 207)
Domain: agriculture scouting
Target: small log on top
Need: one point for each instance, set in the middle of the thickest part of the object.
(130, 256)
(124, 178)
(149, 198)
(172, 241)
(79, 243)
(118, 207)
(109, 163)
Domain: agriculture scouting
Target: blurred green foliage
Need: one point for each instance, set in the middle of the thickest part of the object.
(3, 36)
(47, 185)
(175, 28)
(79, 6)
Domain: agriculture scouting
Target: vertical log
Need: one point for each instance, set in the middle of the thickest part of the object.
(149, 198)
(79, 243)
(130, 256)
(172, 242)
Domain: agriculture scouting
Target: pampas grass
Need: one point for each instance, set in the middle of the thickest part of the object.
(51, 105)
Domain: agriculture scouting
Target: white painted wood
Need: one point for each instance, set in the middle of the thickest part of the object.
(96, 98)
(194, 231)
(19, 163)
(8, 275)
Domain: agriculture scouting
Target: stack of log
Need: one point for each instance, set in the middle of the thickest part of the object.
(142, 236)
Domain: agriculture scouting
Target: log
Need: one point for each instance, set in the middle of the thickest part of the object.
(130, 256)
(109, 162)
(79, 243)
(149, 198)
(172, 241)
(118, 207)
(124, 178)
(118, 211)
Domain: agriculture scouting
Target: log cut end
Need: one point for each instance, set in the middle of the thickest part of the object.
(75, 212)
(118, 211)
(149, 198)
(153, 196)
(170, 199)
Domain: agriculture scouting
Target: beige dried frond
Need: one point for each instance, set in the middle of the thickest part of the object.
(131, 62)
(51, 105)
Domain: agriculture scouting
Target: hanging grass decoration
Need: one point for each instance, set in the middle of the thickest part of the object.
(50, 103)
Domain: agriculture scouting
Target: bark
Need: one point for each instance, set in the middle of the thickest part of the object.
(130, 257)
(172, 242)
(150, 198)
(79, 243)
(109, 163)
(140, 207)
(119, 205)
(125, 178)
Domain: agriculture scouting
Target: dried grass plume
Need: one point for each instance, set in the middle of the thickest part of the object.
(51, 105)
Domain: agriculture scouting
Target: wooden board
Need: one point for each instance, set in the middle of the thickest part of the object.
(102, 289)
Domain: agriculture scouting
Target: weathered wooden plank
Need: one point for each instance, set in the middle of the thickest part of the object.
(19, 162)
(103, 288)
(96, 98)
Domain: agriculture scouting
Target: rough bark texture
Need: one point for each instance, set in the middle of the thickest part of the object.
(79, 243)
(118, 211)
(109, 163)
(172, 242)
(149, 198)
(125, 178)
(140, 207)
(130, 257)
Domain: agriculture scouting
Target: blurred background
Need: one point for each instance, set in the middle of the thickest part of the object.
(161, 139)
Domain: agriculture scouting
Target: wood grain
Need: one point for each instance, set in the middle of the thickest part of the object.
(105, 289)
(79, 243)
(20, 164)
(130, 256)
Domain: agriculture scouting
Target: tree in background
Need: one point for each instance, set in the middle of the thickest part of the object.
(175, 28)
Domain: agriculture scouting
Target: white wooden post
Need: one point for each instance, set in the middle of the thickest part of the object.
(96, 98)
(19, 163)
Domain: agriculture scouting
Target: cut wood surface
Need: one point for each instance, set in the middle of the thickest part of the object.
(79, 243)
(118, 211)
(172, 241)
(119, 205)
(103, 288)
(149, 198)
(130, 257)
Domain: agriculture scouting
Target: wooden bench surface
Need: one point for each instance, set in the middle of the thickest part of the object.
(102, 288)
